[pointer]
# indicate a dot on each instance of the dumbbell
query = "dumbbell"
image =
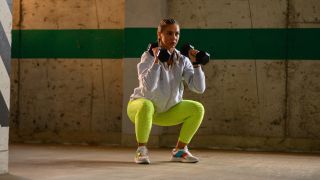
(202, 57)
(163, 54)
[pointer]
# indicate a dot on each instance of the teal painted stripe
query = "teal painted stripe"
(131, 42)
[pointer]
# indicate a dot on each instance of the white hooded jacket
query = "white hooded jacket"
(163, 84)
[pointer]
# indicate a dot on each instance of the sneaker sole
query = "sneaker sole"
(174, 159)
(141, 162)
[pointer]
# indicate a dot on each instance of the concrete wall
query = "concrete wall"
(67, 100)
(255, 104)
(265, 104)
(5, 58)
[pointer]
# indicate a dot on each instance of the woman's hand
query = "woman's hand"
(155, 54)
(192, 55)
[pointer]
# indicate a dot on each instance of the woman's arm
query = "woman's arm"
(194, 77)
(148, 71)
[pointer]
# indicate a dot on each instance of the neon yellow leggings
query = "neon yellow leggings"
(141, 112)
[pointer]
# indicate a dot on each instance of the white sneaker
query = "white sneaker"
(183, 155)
(142, 155)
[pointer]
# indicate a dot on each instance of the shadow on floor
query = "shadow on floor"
(86, 163)
(12, 177)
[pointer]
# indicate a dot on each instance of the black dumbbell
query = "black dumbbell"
(202, 57)
(163, 54)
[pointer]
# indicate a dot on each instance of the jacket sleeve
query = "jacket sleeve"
(194, 77)
(148, 72)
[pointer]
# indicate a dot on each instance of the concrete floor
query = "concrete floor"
(97, 162)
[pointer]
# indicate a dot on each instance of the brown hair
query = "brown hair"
(166, 22)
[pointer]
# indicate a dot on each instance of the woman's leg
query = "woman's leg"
(188, 112)
(140, 112)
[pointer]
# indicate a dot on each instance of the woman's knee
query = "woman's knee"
(142, 106)
(197, 108)
(146, 105)
(145, 109)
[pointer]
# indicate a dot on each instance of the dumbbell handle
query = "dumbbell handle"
(163, 55)
(151, 46)
(202, 57)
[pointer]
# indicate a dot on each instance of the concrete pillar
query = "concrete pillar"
(4, 150)
(138, 14)
(5, 60)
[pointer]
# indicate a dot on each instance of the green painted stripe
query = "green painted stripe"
(131, 42)
(67, 43)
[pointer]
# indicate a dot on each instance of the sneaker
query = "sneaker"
(142, 155)
(183, 155)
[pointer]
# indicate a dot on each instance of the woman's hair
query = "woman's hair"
(166, 22)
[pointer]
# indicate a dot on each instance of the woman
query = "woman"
(158, 99)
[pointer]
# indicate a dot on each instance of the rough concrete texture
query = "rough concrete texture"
(249, 143)
(304, 14)
(268, 14)
(5, 54)
(4, 156)
(130, 81)
(243, 98)
(304, 101)
(4, 137)
(89, 162)
(68, 14)
(152, 11)
(228, 14)
(304, 77)
(79, 99)
(263, 98)
(67, 100)
(253, 104)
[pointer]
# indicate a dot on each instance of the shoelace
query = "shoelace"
(142, 152)
(186, 150)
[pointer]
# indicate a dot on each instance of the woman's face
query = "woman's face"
(169, 37)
